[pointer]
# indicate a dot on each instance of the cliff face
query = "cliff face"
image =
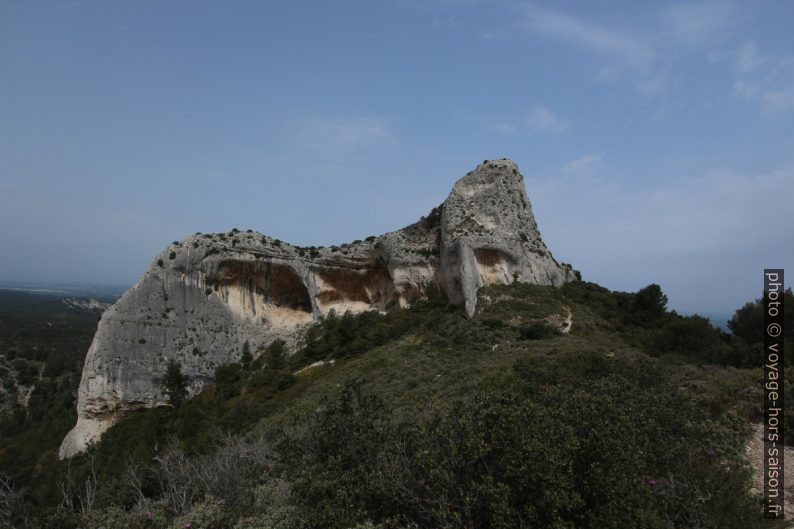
(202, 298)
(489, 235)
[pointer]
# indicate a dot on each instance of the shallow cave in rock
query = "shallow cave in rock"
(279, 284)
(373, 286)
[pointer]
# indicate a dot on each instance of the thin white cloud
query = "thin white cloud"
(559, 25)
(764, 78)
(749, 59)
(778, 101)
(584, 166)
(446, 22)
(326, 143)
(719, 211)
(539, 118)
(503, 125)
(493, 34)
(645, 57)
(626, 54)
(542, 118)
(722, 225)
(698, 23)
(343, 134)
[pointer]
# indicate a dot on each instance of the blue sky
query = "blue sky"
(656, 138)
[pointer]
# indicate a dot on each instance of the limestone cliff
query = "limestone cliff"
(203, 297)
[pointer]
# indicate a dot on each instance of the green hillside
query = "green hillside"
(420, 417)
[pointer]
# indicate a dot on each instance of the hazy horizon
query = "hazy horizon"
(656, 141)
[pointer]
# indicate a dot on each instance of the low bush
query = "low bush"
(545, 447)
(539, 330)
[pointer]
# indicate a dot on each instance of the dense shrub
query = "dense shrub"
(276, 355)
(611, 306)
(113, 517)
(538, 330)
(602, 445)
(206, 514)
(339, 336)
(433, 219)
(747, 322)
(692, 336)
(334, 463)
(747, 326)
(26, 373)
(648, 306)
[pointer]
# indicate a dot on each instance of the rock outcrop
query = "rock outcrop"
(93, 305)
(204, 297)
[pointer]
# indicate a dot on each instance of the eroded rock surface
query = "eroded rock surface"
(203, 297)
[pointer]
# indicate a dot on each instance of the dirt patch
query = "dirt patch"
(563, 323)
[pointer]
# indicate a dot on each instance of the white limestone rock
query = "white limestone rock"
(203, 297)
(490, 236)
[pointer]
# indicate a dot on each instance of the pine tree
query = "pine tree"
(246, 358)
(276, 355)
(175, 384)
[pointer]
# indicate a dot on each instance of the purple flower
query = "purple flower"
(652, 482)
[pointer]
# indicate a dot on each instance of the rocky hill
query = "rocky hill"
(208, 297)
